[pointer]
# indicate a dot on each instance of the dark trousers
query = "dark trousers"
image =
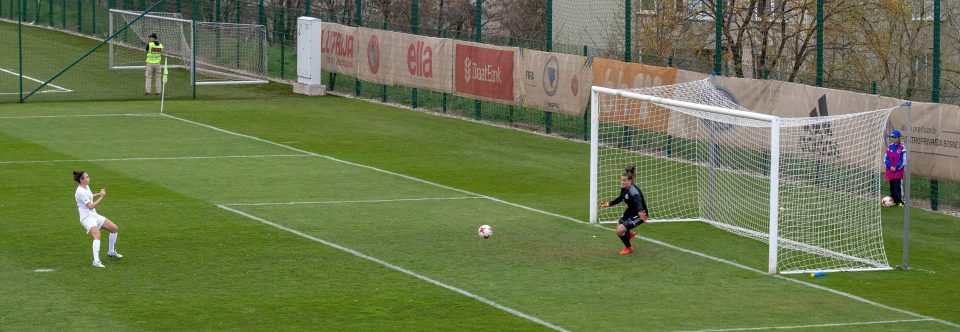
(896, 191)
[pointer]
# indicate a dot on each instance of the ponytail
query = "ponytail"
(630, 171)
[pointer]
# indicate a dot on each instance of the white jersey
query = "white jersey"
(84, 196)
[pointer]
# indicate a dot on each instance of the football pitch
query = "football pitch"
(337, 214)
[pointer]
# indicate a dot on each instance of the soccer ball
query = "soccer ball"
(485, 231)
(887, 201)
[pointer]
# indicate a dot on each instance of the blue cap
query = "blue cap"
(895, 134)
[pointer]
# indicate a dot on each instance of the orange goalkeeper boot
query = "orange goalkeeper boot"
(627, 250)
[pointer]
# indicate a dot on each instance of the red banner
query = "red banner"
(484, 71)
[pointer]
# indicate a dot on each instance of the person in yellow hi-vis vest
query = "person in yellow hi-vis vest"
(154, 50)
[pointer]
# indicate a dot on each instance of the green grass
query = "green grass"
(191, 265)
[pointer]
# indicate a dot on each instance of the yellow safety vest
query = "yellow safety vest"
(153, 52)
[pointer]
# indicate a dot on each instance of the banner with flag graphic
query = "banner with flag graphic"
(555, 82)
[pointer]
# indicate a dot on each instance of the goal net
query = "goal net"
(213, 52)
(808, 187)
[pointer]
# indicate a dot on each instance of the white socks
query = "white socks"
(113, 240)
(96, 250)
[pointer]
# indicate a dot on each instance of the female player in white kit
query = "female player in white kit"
(90, 220)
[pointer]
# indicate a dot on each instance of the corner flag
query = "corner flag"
(163, 91)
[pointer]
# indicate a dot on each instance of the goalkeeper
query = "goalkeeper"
(636, 212)
(154, 50)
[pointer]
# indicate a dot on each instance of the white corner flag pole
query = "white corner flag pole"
(163, 91)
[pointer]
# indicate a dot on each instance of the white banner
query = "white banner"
(555, 82)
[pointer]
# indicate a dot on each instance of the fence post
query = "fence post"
(306, 8)
(415, 26)
(19, 45)
(93, 10)
(627, 30)
(510, 107)
(237, 21)
(547, 116)
(358, 20)
(79, 16)
(444, 100)
(36, 13)
(477, 37)
(50, 13)
(873, 87)
(819, 42)
(383, 87)
(549, 26)
(586, 113)
(717, 38)
(194, 15)
(283, 39)
(261, 14)
(935, 93)
(216, 18)
(63, 14)
(180, 6)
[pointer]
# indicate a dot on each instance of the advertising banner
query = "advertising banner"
(338, 47)
(555, 82)
(485, 72)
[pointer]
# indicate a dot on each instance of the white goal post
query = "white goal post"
(214, 53)
(808, 187)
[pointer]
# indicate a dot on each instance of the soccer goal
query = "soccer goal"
(213, 52)
(808, 187)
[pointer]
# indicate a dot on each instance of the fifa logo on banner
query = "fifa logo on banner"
(420, 59)
(819, 136)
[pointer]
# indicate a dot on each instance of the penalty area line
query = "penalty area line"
(396, 268)
(75, 116)
(357, 201)
(150, 159)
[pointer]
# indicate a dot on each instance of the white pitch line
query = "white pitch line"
(358, 201)
(814, 326)
(147, 158)
(44, 91)
(398, 269)
(671, 246)
(62, 89)
(75, 116)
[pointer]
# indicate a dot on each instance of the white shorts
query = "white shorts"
(93, 220)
